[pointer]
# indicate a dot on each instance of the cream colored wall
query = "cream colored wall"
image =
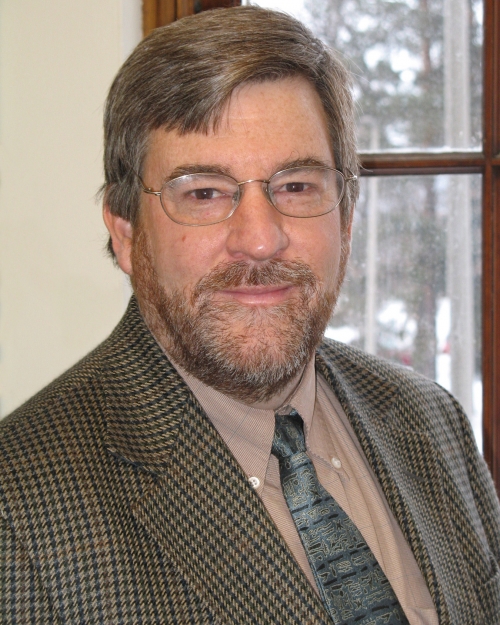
(59, 295)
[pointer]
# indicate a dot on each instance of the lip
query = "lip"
(258, 295)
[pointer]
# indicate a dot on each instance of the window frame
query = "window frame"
(160, 12)
(486, 162)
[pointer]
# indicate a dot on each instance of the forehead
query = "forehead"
(290, 100)
(263, 126)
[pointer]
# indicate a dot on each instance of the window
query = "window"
(428, 82)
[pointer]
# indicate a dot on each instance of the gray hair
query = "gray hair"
(182, 75)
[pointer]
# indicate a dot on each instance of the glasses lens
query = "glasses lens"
(199, 199)
(306, 191)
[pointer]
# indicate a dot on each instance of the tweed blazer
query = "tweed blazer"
(120, 503)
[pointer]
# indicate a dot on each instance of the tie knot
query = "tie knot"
(288, 436)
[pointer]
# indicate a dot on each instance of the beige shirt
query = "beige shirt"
(342, 469)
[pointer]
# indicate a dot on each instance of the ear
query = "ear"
(120, 230)
(347, 231)
(346, 236)
(349, 225)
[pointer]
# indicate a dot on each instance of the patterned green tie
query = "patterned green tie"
(353, 587)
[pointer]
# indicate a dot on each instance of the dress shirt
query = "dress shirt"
(342, 469)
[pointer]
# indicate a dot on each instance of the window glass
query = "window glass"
(413, 287)
(416, 65)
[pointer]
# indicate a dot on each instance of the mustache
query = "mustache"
(240, 273)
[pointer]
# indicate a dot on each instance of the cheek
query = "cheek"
(321, 247)
(183, 256)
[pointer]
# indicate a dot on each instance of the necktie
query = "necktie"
(353, 587)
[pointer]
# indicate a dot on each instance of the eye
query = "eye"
(205, 194)
(294, 187)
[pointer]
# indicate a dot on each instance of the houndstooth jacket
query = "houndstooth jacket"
(121, 504)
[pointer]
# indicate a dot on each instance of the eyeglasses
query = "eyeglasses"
(206, 199)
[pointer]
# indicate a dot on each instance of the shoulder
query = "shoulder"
(416, 400)
(79, 376)
(353, 363)
(54, 418)
(69, 419)
(78, 386)
(60, 425)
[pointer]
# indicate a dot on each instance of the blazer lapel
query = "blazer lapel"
(199, 509)
(403, 457)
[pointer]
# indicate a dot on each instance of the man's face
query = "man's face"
(243, 303)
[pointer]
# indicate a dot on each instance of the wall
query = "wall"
(59, 295)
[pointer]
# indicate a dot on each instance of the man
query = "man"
(151, 482)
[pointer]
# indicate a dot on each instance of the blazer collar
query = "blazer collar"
(146, 398)
(365, 394)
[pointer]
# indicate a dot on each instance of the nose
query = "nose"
(256, 228)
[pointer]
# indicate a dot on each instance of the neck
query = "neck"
(280, 399)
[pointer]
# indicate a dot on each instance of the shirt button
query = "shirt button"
(254, 482)
(336, 463)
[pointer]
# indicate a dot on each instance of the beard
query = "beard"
(250, 353)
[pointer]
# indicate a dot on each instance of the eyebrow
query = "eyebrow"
(308, 161)
(198, 168)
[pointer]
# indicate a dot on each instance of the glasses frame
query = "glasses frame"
(265, 186)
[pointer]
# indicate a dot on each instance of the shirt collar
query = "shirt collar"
(249, 431)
